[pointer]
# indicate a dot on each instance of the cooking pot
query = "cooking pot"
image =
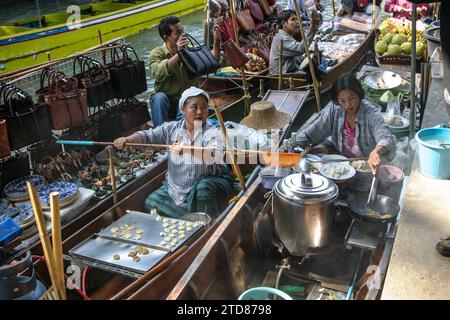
(304, 210)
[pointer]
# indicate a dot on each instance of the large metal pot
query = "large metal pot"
(304, 209)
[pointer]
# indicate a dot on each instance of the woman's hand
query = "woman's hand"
(120, 143)
(375, 158)
(177, 148)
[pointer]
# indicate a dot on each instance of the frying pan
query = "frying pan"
(384, 209)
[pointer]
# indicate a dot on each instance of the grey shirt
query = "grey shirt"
(371, 130)
(184, 170)
(292, 51)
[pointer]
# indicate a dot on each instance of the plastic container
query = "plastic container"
(433, 39)
(9, 230)
(263, 293)
(434, 159)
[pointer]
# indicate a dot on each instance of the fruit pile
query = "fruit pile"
(396, 35)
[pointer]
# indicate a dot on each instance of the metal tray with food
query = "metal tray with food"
(117, 255)
(151, 230)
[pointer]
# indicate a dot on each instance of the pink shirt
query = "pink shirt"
(394, 5)
(350, 144)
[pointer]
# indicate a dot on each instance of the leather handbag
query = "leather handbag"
(107, 121)
(95, 78)
(133, 113)
(226, 29)
(66, 102)
(265, 7)
(235, 55)
(14, 167)
(27, 122)
(5, 150)
(128, 77)
(255, 10)
(245, 20)
(198, 60)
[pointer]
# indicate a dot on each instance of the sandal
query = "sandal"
(443, 247)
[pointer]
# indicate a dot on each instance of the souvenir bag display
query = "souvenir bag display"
(234, 54)
(133, 113)
(107, 121)
(26, 122)
(14, 167)
(265, 7)
(66, 102)
(93, 77)
(128, 76)
(255, 10)
(245, 20)
(5, 150)
(198, 59)
(226, 27)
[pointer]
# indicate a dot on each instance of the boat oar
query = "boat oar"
(234, 165)
(45, 240)
(270, 158)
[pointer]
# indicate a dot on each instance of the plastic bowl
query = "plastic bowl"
(434, 159)
(388, 174)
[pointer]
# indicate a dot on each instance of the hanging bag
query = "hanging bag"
(27, 122)
(5, 150)
(94, 78)
(198, 60)
(67, 103)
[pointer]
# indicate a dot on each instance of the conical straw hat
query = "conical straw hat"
(264, 115)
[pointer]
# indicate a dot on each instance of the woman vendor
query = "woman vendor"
(192, 184)
(356, 127)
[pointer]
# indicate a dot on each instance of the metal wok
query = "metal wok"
(384, 209)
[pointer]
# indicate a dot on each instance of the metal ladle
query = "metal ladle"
(373, 191)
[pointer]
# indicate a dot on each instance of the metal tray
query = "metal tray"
(100, 250)
(152, 225)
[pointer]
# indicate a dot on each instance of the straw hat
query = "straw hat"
(264, 115)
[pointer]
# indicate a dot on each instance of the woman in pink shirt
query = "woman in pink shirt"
(401, 9)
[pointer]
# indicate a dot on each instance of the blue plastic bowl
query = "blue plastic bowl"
(434, 159)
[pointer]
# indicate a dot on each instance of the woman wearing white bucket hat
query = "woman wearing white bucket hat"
(191, 185)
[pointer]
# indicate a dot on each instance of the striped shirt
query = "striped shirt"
(184, 170)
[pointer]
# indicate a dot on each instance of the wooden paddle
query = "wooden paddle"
(270, 158)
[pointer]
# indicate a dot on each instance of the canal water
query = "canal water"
(142, 42)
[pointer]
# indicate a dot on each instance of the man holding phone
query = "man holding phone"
(170, 75)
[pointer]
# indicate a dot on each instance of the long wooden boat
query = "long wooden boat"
(290, 81)
(107, 285)
(244, 253)
(24, 43)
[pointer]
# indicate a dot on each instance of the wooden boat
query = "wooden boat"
(244, 253)
(108, 285)
(24, 43)
(295, 82)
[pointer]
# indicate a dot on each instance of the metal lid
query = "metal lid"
(310, 187)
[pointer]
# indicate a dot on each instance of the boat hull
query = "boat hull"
(30, 48)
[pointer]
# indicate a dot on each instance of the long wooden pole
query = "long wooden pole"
(57, 241)
(280, 69)
(247, 96)
(112, 175)
(308, 55)
(334, 8)
(374, 16)
(45, 240)
(234, 165)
